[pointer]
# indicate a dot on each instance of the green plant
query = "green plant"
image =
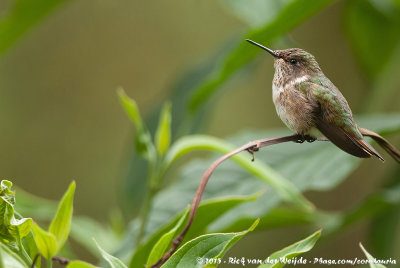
(243, 196)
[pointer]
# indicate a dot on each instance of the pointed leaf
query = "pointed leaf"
(113, 261)
(233, 242)
(130, 108)
(61, 224)
(305, 245)
(207, 246)
(371, 259)
(163, 133)
(164, 242)
(207, 212)
(144, 146)
(45, 241)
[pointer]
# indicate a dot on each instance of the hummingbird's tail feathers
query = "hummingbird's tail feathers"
(345, 141)
(393, 151)
(371, 150)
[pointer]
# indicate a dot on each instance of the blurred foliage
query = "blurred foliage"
(373, 28)
(233, 200)
(371, 259)
(291, 251)
(22, 16)
(216, 247)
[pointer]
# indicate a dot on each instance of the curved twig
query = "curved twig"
(251, 147)
(35, 260)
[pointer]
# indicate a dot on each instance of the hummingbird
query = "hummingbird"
(310, 104)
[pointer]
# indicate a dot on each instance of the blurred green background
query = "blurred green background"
(61, 119)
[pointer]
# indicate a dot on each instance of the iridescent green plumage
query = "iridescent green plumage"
(332, 102)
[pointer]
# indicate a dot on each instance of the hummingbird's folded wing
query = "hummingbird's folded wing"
(334, 119)
(346, 141)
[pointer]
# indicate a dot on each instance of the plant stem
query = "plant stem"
(49, 263)
(154, 181)
(144, 214)
(22, 251)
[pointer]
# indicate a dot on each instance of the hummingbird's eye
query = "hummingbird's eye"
(293, 61)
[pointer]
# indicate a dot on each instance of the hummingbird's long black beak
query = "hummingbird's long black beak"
(270, 51)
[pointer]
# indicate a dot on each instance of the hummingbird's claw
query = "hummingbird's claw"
(309, 139)
(303, 138)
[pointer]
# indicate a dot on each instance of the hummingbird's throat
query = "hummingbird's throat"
(278, 87)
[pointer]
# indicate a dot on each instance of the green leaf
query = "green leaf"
(207, 246)
(384, 124)
(82, 228)
(371, 27)
(318, 166)
(7, 201)
(371, 259)
(31, 248)
(302, 246)
(19, 228)
(61, 223)
(256, 13)
(207, 212)
(6, 192)
(130, 108)
(80, 264)
(45, 241)
(305, 165)
(21, 17)
(164, 242)
(163, 133)
(292, 15)
(11, 229)
(144, 146)
(262, 171)
(113, 261)
(9, 259)
(281, 216)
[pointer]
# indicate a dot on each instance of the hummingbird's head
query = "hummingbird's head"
(292, 62)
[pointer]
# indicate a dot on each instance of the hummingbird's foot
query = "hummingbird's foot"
(309, 139)
(301, 139)
(252, 150)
